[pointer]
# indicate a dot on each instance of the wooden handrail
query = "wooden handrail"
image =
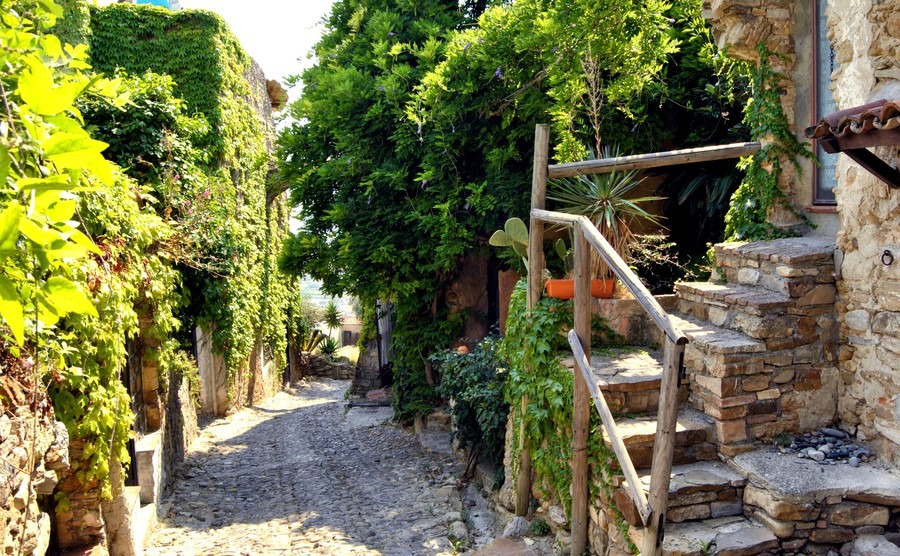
(652, 508)
(652, 160)
(619, 268)
(631, 477)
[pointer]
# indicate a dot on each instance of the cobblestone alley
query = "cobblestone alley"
(299, 475)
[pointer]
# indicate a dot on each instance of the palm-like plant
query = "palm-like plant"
(603, 199)
(333, 318)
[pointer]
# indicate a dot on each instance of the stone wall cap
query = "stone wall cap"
(799, 480)
(791, 250)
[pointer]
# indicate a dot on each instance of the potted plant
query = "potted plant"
(602, 198)
(564, 288)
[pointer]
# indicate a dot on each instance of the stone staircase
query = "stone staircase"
(760, 366)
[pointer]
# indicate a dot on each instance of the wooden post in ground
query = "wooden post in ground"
(663, 449)
(535, 272)
(581, 406)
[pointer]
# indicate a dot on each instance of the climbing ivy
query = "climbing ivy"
(80, 257)
(760, 191)
(197, 139)
(533, 345)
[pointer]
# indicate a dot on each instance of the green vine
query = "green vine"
(193, 134)
(760, 192)
(535, 341)
(80, 262)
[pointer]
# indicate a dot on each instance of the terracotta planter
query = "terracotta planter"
(565, 289)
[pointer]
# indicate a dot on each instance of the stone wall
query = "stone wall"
(81, 524)
(368, 371)
(741, 25)
(179, 428)
(866, 36)
(25, 525)
(786, 28)
(325, 367)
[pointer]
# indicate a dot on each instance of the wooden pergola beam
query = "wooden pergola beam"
(652, 160)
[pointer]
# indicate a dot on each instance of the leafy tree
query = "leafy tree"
(373, 228)
(413, 137)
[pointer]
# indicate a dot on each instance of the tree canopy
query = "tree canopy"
(413, 137)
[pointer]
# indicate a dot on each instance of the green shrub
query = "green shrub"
(474, 381)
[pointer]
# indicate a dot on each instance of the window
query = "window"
(824, 175)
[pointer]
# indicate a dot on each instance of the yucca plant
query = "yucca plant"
(603, 198)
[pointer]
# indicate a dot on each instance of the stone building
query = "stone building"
(839, 55)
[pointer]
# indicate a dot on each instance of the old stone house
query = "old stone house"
(840, 55)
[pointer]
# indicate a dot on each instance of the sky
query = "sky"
(278, 34)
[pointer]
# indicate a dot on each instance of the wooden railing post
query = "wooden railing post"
(581, 407)
(535, 272)
(663, 448)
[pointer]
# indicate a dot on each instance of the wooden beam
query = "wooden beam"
(535, 273)
(652, 160)
(877, 167)
(663, 449)
(619, 268)
(581, 406)
(632, 479)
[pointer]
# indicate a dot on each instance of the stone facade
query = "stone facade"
(867, 38)
(27, 475)
(865, 35)
(786, 28)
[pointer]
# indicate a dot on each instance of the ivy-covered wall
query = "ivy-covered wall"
(235, 289)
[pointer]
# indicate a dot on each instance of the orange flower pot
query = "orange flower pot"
(565, 289)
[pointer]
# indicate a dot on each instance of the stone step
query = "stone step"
(692, 433)
(809, 506)
(755, 300)
(715, 341)
(629, 378)
(795, 267)
(724, 536)
(747, 390)
(756, 312)
(702, 490)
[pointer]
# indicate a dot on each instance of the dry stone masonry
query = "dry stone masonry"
(866, 37)
(759, 405)
(25, 475)
(773, 371)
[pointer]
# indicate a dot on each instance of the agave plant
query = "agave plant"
(603, 198)
(310, 343)
(329, 347)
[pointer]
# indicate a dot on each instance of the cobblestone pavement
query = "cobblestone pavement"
(298, 475)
